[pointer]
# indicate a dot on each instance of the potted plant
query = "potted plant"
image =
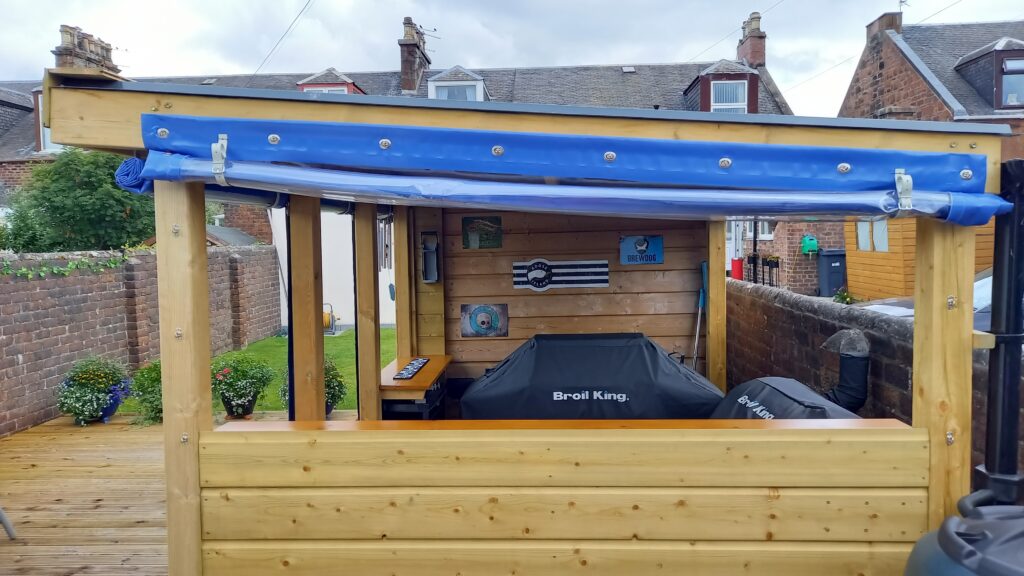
(147, 391)
(93, 390)
(239, 379)
(334, 386)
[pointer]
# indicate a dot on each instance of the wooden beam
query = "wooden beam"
(983, 340)
(96, 118)
(184, 303)
(716, 327)
(307, 307)
(943, 318)
(405, 319)
(367, 312)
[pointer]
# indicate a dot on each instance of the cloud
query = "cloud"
(195, 37)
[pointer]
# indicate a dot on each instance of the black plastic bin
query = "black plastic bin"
(989, 541)
(831, 271)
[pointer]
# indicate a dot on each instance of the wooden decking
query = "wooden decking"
(84, 500)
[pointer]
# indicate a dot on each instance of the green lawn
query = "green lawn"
(341, 349)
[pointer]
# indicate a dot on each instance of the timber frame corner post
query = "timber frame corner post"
(367, 311)
(715, 352)
(184, 302)
(305, 307)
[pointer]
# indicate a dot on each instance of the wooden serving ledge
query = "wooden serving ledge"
(416, 387)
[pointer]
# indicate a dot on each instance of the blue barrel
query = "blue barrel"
(987, 542)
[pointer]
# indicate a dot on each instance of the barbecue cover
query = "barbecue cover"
(590, 376)
(771, 397)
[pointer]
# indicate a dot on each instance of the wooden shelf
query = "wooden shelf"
(416, 387)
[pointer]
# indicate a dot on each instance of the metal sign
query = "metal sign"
(642, 250)
(484, 320)
(540, 274)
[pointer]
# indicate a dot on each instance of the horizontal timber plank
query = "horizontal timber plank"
(739, 458)
(768, 514)
(633, 280)
(497, 349)
(490, 264)
(572, 241)
(555, 304)
(456, 426)
(648, 324)
(535, 223)
(547, 558)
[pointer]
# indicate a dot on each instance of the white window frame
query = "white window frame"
(45, 143)
(873, 235)
(478, 84)
(326, 89)
(765, 230)
(744, 106)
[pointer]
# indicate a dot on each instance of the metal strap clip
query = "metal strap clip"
(904, 188)
(219, 154)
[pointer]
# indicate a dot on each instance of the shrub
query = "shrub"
(843, 297)
(146, 389)
(334, 385)
(90, 386)
(239, 379)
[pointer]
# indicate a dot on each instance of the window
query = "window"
(729, 96)
(1012, 88)
(329, 90)
(873, 236)
(765, 230)
(464, 92)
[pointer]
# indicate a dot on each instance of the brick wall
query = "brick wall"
(798, 272)
(252, 220)
(15, 173)
(47, 324)
(773, 332)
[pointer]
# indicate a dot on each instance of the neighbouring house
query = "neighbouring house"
(972, 72)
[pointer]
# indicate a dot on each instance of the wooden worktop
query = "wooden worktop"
(405, 425)
(416, 387)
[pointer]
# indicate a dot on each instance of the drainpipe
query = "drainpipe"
(1000, 474)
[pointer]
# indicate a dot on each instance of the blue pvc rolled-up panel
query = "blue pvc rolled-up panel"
(574, 174)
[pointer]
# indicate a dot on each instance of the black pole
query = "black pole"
(291, 320)
(757, 259)
(1000, 473)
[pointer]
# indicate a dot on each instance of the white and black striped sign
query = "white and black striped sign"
(539, 274)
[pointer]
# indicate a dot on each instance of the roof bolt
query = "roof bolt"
(178, 334)
(953, 144)
(152, 108)
(274, 139)
(724, 162)
(168, 104)
(950, 438)
(844, 168)
(609, 156)
(967, 174)
(162, 132)
(974, 145)
(384, 143)
(497, 150)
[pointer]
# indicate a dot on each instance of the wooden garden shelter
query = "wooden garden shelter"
(531, 497)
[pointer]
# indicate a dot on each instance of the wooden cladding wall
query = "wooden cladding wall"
(658, 300)
(872, 275)
(631, 501)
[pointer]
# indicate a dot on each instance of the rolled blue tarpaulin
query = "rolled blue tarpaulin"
(573, 174)
(129, 176)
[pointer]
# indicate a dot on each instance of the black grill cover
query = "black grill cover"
(772, 398)
(584, 376)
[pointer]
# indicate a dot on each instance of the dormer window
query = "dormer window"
(1012, 88)
(729, 96)
(330, 81)
(457, 83)
(326, 89)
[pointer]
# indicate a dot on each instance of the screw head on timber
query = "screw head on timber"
(967, 174)
(384, 143)
(497, 150)
(844, 168)
(725, 162)
(953, 144)
(950, 302)
(610, 156)
(950, 438)
(162, 132)
(168, 104)
(175, 229)
(974, 145)
(178, 333)
(274, 139)
(184, 438)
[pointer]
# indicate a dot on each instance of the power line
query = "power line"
(266, 59)
(844, 61)
(727, 36)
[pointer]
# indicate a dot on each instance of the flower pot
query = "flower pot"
(238, 412)
(330, 408)
(111, 409)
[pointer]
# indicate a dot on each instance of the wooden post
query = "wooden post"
(943, 335)
(405, 319)
(367, 311)
(184, 302)
(714, 348)
(307, 308)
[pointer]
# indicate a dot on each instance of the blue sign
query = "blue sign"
(642, 250)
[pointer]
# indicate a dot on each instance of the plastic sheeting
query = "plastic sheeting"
(629, 177)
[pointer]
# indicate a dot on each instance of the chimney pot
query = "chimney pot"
(888, 21)
(413, 48)
(78, 49)
(751, 48)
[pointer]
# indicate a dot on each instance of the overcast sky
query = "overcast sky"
(195, 37)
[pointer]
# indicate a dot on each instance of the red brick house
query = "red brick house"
(971, 72)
